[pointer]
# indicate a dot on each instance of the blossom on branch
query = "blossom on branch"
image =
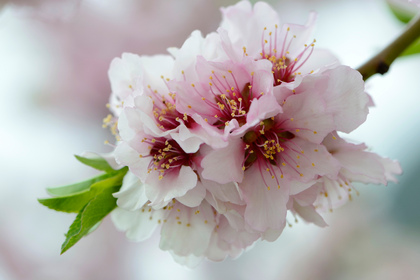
(234, 130)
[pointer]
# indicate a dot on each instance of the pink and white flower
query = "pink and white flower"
(234, 131)
(259, 33)
(357, 165)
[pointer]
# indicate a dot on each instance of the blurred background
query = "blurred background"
(54, 58)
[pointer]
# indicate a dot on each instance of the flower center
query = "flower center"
(285, 68)
(272, 148)
(228, 100)
(233, 104)
(166, 155)
(164, 110)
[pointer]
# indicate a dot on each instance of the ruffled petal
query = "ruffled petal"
(173, 184)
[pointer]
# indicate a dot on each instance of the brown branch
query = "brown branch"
(383, 60)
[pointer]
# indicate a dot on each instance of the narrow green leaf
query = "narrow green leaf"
(414, 48)
(74, 203)
(97, 163)
(69, 204)
(78, 187)
(92, 213)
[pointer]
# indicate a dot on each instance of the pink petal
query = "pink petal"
(266, 208)
(345, 98)
(173, 184)
(225, 165)
(304, 114)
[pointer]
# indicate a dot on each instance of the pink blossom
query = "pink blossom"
(259, 33)
(188, 232)
(223, 141)
(357, 165)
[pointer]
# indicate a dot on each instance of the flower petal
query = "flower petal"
(266, 203)
(187, 231)
(225, 165)
(139, 225)
(132, 194)
(173, 184)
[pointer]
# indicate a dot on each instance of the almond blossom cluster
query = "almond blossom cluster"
(228, 134)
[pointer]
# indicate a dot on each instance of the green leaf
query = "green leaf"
(74, 203)
(92, 213)
(78, 187)
(402, 11)
(69, 204)
(95, 227)
(414, 48)
(97, 163)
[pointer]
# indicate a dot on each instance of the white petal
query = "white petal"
(187, 231)
(172, 185)
(132, 194)
(194, 196)
(309, 214)
(138, 225)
